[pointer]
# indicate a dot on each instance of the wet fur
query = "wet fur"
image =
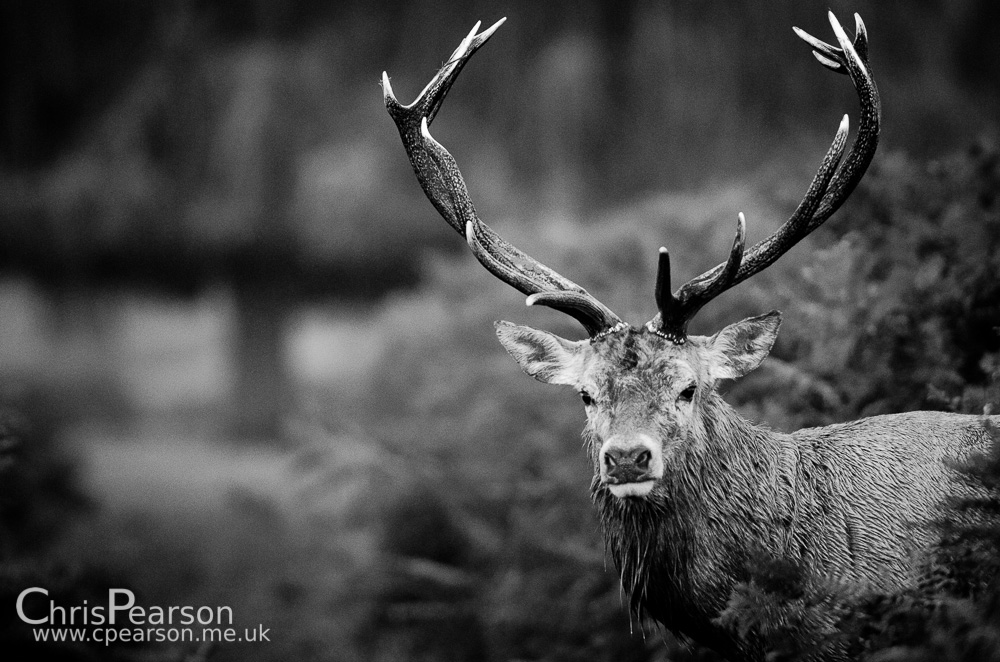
(851, 500)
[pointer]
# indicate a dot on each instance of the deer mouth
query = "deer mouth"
(635, 489)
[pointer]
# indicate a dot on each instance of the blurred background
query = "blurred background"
(243, 362)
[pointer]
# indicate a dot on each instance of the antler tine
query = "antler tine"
(855, 59)
(442, 182)
(436, 178)
(677, 309)
(662, 292)
(828, 190)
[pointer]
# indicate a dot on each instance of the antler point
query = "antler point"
(490, 30)
(838, 30)
(827, 62)
(387, 95)
(472, 33)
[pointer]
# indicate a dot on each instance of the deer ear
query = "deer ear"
(545, 356)
(740, 347)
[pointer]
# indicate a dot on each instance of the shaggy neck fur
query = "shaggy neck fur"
(681, 549)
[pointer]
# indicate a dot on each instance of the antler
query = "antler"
(441, 180)
(828, 190)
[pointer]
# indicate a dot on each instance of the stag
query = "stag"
(686, 490)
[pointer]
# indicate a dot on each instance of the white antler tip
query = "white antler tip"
(386, 87)
(663, 250)
(463, 47)
(845, 123)
(860, 32)
(493, 28)
(530, 301)
(838, 29)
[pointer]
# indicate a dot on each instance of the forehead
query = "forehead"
(642, 355)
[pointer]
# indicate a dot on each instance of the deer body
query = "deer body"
(853, 502)
(686, 490)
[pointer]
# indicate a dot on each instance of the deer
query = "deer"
(686, 489)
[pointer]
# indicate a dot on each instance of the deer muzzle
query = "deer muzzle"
(630, 465)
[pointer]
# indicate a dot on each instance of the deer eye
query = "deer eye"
(587, 399)
(687, 394)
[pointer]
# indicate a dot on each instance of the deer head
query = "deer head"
(644, 394)
(645, 388)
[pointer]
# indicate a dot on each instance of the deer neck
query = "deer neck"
(690, 538)
(730, 450)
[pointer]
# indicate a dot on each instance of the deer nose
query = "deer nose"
(626, 464)
(639, 458)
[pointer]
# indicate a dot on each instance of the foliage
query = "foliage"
(933, 245)
(39, 492)
(900, 309)
(37, 480)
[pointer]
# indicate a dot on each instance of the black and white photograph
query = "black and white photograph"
(500, 331)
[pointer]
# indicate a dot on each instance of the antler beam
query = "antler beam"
(444, 186)
(828, 190)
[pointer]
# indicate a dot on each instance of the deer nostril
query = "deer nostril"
(626, 462)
